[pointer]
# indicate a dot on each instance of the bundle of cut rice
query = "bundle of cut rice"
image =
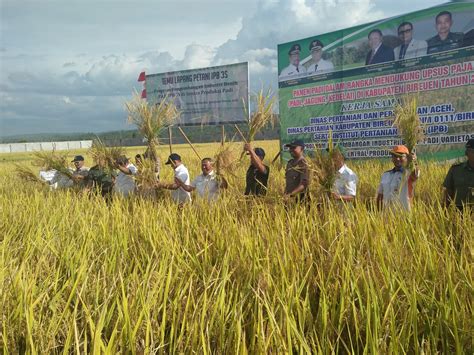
(263, 114)
(150, 120)
(104, 156)
(26, 174)
(407, 122)
(226, 161)
(53, 160)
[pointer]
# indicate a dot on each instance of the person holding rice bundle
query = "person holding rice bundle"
(206, 184)
(124, 182)
(396, 188)
(179, 194)
(257, 173)
(101, 179)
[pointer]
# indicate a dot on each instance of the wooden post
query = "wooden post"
(189, 142)
(240, 132)
(222, 135)
(276, 157)
(170, 139)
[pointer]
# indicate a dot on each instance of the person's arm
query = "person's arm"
(188, 188)
(345, 198)
(255, 160)
(380, 196)
(416, 170)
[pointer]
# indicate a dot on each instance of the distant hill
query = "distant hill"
(197, 134)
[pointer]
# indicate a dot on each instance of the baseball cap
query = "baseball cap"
(295, 49)
(173, 157)
(295, 143)
(315, 44)
(77, 158)
(399, 150)
(470, 144)
(260, 152)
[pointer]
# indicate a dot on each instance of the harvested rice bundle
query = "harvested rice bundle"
(26, 174)
(263, 114)
(105, 156)
(54, 160)
(150, 120)
(408, 124)
(226, 161)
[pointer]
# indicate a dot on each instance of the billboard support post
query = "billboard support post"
(170, 139)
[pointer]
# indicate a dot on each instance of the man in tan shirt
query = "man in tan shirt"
(297, 173)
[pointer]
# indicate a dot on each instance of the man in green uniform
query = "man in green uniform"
(297, 173)
(459, 183)
(445, 40)
(101, 179)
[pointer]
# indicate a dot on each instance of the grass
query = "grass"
(239, 276)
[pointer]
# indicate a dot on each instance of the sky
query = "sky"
(69, 66)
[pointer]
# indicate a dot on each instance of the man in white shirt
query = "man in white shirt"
(206, 185)
(294, 69)
(345, 186)
(319, 64)
(179, 195)
(397, 185)
(410, 47)
(124, 182)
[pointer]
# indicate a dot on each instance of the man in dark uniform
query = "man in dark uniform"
(257, 173)
(459, 183)
(445, 40)
(297, 173)
(101, 179)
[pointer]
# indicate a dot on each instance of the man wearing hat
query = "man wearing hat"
(257, 173)
(397, 185)
(179, 195)
(294, 69)
(319, 64)
(345, 185)
(297, 172)
(124, 182)
(459, 182)
(80, 172)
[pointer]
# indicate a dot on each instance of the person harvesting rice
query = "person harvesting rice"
(396, 188)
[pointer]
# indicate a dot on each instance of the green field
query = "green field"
(238, 276)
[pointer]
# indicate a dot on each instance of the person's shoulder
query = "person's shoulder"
(456, 35)
(433, 40)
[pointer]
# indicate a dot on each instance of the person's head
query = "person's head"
(78, 161)
(294, 54)
(470, 151)
(405, 32)
(399, 155)
(444, 21)
(138, 159)
(174, 160)
(316, 49)
(122, 160)
(206, 166)
(296, 148)
(375, 38)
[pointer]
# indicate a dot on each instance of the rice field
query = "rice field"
(237, 276)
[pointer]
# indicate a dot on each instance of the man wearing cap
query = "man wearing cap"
(345, 185)
(179, 195)
(256, 179)
(294, 69)
(397, 185)
(80, 172)
(319, 64)
(124, 182)
(206, 184)
(379, 52)
(459, 182)
(297, 173)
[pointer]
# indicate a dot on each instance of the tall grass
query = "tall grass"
(237, 276)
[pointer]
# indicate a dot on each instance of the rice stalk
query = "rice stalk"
(407, 121)
(262, 115)
(53, 160)
(105, 156)
(226, 161)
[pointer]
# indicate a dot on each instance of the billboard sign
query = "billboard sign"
(346, 83)
(214, 95)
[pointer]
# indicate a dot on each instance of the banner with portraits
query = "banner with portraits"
(206, 96)
(346, 83)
